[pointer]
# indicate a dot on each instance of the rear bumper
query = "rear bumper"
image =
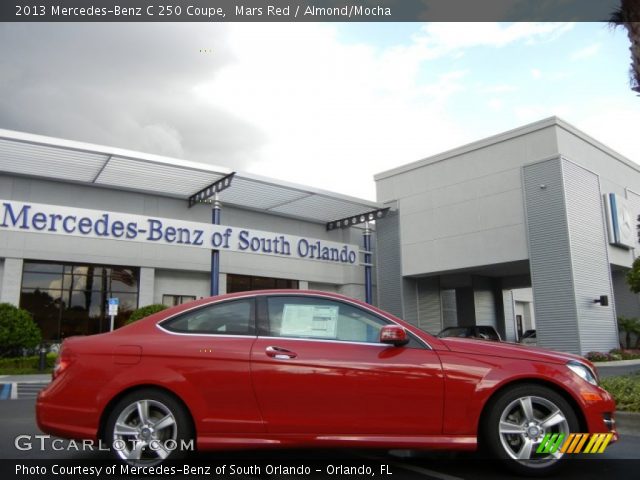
(65, 421)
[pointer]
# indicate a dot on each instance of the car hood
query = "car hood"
(508, 350)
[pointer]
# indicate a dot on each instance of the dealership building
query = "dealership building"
(532, 228)
(542, 213)
(81, 224)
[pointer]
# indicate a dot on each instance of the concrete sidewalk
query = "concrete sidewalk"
(38, 378)
(617, 368)
(618, 363)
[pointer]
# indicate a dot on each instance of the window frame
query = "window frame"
(180, 298)
(251, 332)
(264, 326)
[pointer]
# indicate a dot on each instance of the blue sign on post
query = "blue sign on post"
(113, 309)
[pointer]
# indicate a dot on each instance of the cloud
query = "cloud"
(612, 122)
(528, 113)
(586, 52)
(295, 101)
(124, 85)
(495, 104)
(438, 39)
(500, 88)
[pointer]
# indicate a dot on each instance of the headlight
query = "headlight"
(583, 372)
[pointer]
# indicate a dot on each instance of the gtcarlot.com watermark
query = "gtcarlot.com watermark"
(45, 442)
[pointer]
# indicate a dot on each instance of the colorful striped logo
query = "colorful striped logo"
(574, 443)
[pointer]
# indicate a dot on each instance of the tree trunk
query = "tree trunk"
(628, 15)
(633, 30)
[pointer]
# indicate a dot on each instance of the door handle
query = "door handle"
(280, 353)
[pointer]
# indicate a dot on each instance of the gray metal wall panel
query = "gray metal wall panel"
(485, 302)
(387, 254)
(589, 256)
(429, 308)
(449, 308)
(550, 256)
(627, 303)
(410, 300)
(485, 308)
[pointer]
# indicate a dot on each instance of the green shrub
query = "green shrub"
(629, 326)
(25, 365)
(17, 330)
(145, 312)
(625, 390)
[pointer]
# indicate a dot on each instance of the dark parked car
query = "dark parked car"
(292, 368)
(529, 338)
(478, 331)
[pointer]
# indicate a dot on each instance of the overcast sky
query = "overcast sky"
(327, 105)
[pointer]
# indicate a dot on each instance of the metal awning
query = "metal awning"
(32, 155)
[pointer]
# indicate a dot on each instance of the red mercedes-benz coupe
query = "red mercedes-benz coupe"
(290, 368)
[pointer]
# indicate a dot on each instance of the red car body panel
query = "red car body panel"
(329, 393)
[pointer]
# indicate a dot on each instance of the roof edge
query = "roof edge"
(32, 138)
(469, 147)
(508, 135)
(94, 148)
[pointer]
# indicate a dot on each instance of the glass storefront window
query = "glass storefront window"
(70, 299)
(43, 267)
(43, 281)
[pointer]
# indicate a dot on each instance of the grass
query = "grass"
(25, 365)
(625, 390)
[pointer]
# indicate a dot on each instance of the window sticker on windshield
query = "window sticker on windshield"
(309, 321)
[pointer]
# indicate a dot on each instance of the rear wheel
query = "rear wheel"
(518, 421)
(147, 426)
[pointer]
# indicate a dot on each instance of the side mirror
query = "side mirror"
(394, 335)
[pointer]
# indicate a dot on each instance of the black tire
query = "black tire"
(529, 411)
(167, 432)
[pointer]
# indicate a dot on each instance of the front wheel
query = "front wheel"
(148, 426)
(518, 421)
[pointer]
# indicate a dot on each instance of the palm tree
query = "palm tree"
(628, 15)
(628, 326)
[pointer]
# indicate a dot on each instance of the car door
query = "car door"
(319, 368)
(210, 347)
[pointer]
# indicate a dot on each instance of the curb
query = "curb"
(617, 363)
(628, 422)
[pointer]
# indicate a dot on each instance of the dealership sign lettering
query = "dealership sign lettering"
(49, 219)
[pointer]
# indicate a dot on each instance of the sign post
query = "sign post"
(113, 310)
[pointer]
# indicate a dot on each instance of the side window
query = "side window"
(305, 317)
(227, 318)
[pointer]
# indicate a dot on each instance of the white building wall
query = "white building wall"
(180, 282)
(465, 208)
(146, 286)
(11, 281)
